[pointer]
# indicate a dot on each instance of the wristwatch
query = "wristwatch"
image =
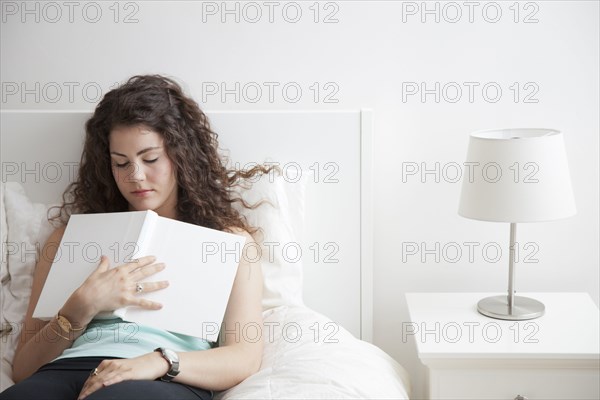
(65, 324)
(173, 360)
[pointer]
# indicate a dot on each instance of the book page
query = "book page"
(201, 265)
(86, 238)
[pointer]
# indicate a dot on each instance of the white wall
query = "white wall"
(369, 57)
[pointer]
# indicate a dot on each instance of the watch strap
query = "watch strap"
(171, 357)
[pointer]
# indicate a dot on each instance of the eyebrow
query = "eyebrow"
(147, 149)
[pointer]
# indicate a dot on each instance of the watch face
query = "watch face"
(64, 324)
(171, 355)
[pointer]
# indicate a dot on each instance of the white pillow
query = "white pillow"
(281, 220)
(5, 379)
(28, 230)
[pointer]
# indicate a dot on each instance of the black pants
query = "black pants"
(64, 378)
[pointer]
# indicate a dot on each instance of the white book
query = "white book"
(201, 265)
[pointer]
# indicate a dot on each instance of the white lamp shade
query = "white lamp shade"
(516, 175)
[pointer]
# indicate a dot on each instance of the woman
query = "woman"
(147, 146)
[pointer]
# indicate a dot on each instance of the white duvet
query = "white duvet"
(307, 356)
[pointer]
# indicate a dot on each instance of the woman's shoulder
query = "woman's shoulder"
(56, 235)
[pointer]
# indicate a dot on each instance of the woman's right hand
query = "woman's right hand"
(107, 289)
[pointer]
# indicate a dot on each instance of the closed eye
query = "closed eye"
(123, 165)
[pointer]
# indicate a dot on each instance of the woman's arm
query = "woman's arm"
(104, 290)
(216, 369)
(38, 343)
(239, 356)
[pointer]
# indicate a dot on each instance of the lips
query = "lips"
(142, 192)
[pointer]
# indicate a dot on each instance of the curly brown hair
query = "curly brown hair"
(205, 185)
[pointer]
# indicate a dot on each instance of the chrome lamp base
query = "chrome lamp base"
(522, 308)
(511, 307)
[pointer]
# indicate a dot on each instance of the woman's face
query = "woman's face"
(142, 170)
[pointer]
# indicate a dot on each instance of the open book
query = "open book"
(201, 264)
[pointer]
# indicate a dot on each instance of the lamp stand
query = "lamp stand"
(511, 307)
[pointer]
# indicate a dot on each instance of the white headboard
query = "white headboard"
(41, 150)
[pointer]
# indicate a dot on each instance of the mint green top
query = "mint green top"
(117, 338)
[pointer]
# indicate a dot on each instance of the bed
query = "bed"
(317, 244)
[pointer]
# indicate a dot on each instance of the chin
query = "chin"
(143, 206)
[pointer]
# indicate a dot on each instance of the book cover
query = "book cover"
(201, 264)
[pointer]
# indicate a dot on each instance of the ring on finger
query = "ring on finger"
(139, 288)
(94, 372)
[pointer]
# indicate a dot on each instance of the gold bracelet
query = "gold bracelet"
(58, 334)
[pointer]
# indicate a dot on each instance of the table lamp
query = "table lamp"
(515, 175)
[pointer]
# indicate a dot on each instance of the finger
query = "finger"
(104, 264)
(150, 286)
(139, 262)
(114, 376)
(91, 385)
(111, 380)
(83, 391)
(145, 260)
(146, 304)
(105, 372)
(144, 272)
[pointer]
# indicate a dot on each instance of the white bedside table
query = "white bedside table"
(470, 356)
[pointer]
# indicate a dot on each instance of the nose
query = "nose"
(136, 173)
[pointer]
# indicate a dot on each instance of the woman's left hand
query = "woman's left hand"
(147, 367)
